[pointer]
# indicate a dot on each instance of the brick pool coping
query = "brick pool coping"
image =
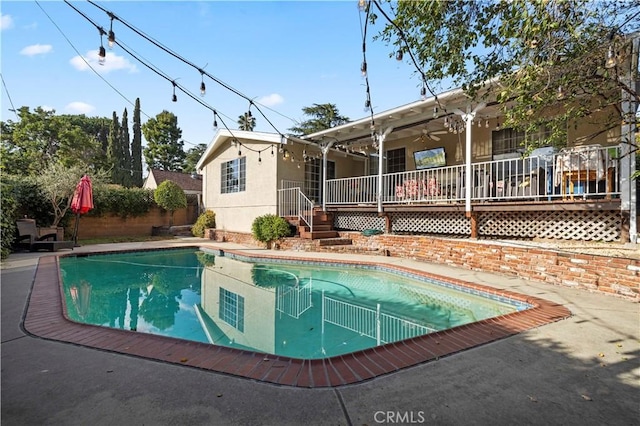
(46, 318)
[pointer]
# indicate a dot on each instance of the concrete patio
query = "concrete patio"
(582, 370)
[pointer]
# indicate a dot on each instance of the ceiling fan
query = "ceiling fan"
(431, 135)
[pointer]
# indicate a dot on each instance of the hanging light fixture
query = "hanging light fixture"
(203, 87)
(423, 93)
(174, 98)
(399, 55)
(611, 58)
(367, 105)
(363, 68)
(111, 38)
(102, 54)
(435, 112)
(215, 119)
(486, 123)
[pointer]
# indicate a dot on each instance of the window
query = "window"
(231, 309)
(396, 160)
(233, 175)
(313, 177)
(508, 141)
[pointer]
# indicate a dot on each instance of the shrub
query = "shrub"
(205, 220)
(270, 228)
(121, 202)
(8, 217)
(170, 197)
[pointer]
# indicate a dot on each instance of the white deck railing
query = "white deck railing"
(577, 173)
(292, 202)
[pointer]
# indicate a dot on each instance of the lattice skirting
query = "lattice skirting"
(586, 225)
(357, 221)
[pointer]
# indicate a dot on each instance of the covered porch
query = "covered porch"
(450, 179)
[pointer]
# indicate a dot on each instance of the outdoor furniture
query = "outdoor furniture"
(579, 166)
(28, 238)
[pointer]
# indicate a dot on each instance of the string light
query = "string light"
(112, 36)
(174, 98)
(203, 87)
(435, 112)
(362, 5)
(215, 119)
(363, 68)
(611, 58)
(102, 54)
(399, 55)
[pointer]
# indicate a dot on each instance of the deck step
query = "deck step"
(325, 242)
(318, 234)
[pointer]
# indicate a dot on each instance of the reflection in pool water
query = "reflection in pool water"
(298, 310)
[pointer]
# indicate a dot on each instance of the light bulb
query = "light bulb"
(435, 112)
(399, 55)
(611, 58)
(102, 55)
(111, 38)
(363, 69)
(203, 89)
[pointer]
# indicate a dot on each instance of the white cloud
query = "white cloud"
(36, 49)
(271, 100)
(79, 108)
(112, 62)
(6, 22)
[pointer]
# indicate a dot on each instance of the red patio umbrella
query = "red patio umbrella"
(82, 202)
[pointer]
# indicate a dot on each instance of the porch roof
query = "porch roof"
(410, 120)
(223, 135)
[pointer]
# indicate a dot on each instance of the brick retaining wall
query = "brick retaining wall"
(614, 275)
(115, 226)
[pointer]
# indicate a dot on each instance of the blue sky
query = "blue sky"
(283, 54)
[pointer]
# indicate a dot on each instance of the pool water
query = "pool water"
(300, 310)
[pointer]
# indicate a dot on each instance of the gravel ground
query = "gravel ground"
(611, 249)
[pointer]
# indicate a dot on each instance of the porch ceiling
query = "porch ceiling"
(411, 120)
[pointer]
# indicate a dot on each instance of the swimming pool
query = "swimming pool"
(45, 317)
(297, 309)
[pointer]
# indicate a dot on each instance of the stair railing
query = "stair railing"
(292, 202)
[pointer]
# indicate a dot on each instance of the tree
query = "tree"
(246, 122)
(170, 197)
(193, 156)
(41, 137)
(58, 182)
(322, 116)
(164, 148)
(114, 151)
(549, 55)
(125, 150)
(136, 148)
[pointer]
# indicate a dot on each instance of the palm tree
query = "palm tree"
(247, 122)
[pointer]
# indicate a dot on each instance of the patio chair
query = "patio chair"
(28, 238)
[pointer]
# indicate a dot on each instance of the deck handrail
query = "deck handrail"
(579, 172)
(293, 202)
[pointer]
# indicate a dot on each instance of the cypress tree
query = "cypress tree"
(125, 161)
(113, 149)
(136, 147)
